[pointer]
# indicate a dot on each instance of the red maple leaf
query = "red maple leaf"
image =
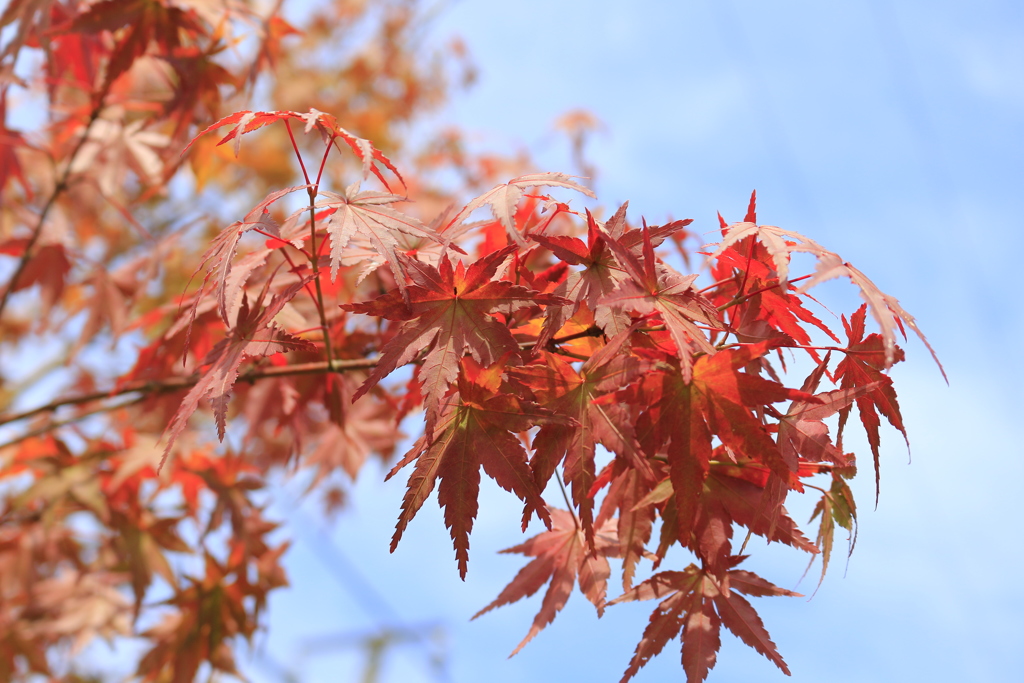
(735, 493)
(718, 399)
(563, 557)
(774, 240)
(732, 492)
(653, 287)
(450, 312)
(478, 426)
(773, 314)
(635, 519)
(563, 389)
(598, 279)
(47, 267)
(135, 24)
(802, 432)
(695, 606)
(862, 368)
(369, 215)
(199, 85)
(601, 273)
(248, 121)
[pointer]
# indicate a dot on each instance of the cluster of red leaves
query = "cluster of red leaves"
(546, 347)
(525, 365)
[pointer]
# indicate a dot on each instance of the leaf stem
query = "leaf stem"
(568, 504)
(739, 299)
(314, 263)
(275, 237)
(809, 348)
(298, 154)
(295, 268)
(746, 271)
(716, 284)
(314, 258)
(323, 162)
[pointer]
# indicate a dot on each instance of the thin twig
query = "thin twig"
(58, 190)
(740, 299)
(570, 354)
(177, 383)
(151, 387)
(57, 424)
(856, 352)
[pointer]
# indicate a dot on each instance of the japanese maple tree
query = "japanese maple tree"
(240, 268)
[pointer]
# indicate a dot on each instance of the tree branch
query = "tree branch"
(163, 386)
(177, 383)
(56, 424)
(58, 190)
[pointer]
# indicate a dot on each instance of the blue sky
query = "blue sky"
(892, 133)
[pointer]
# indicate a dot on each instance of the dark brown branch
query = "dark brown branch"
(163, 386)
(177, 383)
